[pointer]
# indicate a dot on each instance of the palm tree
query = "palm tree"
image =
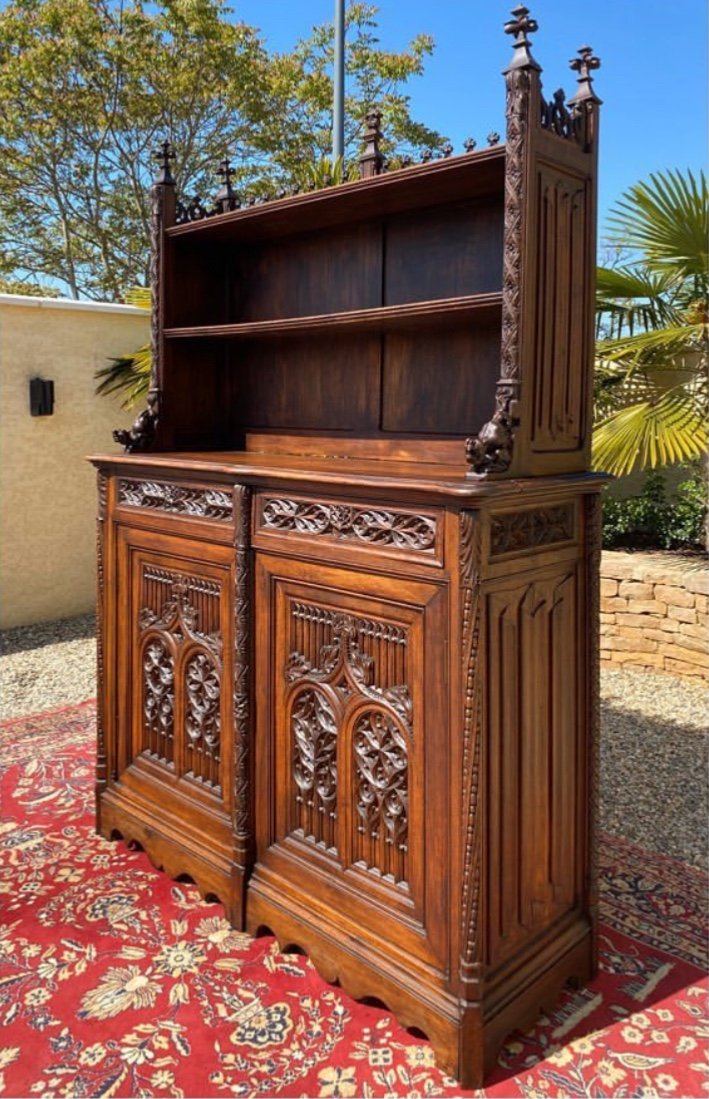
(129, 375)
(652, 396)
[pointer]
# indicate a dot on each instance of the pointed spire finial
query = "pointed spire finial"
(371, 161)
(584, 65)
(163, 156)
(520, 26)
(226, 198)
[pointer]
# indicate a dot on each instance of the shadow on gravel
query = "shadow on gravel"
(653, 784)
(22, 638)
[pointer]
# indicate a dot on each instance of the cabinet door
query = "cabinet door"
(175, 634)
(352, 756)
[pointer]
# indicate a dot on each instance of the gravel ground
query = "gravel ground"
(654, 740)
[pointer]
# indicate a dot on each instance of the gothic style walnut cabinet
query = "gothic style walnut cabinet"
(348, 570)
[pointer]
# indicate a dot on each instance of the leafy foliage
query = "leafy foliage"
(651, 520)
(652, 394)
(90, 87)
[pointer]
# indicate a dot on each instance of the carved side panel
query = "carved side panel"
(350, 718)
(561, 351)
(532, 700)
(180, 659)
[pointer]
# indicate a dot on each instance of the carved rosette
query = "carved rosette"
(242, 631)
(470, 559)
(345, 522)
(202, 503)
(101, 757)
(335, 704)
(490, 451)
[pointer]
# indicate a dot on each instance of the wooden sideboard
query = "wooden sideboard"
(348, 572)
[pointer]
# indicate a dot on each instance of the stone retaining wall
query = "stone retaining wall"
(655, 613)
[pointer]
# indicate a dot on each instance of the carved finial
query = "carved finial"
(584, 65)
(447, 150)
(371, 161)
(520, 26)
(493, 138)
(163, 156)
(469, 144)
(426, 156)
(226, 198)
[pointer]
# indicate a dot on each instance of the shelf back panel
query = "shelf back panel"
(452, 251)
(439, 382)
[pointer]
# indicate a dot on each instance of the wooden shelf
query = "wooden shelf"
(472, 175)
(479, 307)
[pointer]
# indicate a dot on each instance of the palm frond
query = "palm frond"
(663, 344)
(140, 296)
(652, 432)
(667, 220)
(128, 375)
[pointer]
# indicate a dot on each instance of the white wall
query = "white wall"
(47, 489)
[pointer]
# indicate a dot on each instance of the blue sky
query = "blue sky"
(653, 78)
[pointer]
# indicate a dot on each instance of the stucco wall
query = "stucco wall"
(47, 490)
(654, 613)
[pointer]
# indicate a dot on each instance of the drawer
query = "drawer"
(319, 525)
(183, 505)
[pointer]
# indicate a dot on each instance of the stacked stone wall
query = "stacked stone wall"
(655, 613)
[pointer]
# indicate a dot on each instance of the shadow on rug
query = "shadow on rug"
(115, 981)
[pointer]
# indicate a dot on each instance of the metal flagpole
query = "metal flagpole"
(338, 105)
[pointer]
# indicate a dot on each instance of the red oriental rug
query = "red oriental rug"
(116, 981)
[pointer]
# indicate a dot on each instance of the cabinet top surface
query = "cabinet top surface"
(446, 481)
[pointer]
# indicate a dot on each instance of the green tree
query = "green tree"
(90, 87)
(652, 396)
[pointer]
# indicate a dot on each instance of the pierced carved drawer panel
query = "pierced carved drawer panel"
(399, 532)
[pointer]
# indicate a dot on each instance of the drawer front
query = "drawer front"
(319, 525)
(352, 752)
(207, 510)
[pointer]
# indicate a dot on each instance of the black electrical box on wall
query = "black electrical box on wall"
(41, 397)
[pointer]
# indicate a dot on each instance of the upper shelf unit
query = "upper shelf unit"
(476, 174)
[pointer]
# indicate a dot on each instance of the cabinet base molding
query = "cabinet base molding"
(213, 872)
(466, 1037)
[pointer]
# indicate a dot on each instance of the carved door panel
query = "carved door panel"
(348, 782)
(175, 636)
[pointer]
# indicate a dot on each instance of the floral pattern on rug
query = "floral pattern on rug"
(116, 981)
